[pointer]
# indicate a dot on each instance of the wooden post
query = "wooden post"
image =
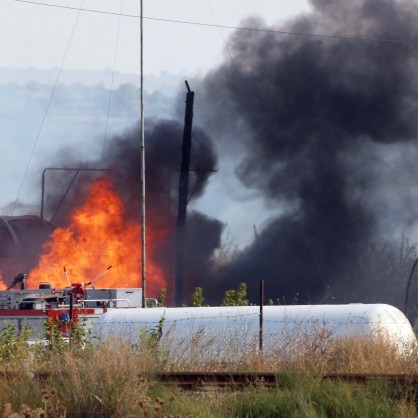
(143, 223)
(261, 314)
(183, 197)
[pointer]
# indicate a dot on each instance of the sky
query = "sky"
(39, 36)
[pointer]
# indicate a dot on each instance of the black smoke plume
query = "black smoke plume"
(327, 129)
(163, 142)
(67, 189)
(324, 128)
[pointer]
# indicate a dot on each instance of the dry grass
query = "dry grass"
(314, 353)
(115, 378)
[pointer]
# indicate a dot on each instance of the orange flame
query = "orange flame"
(3, 285)
(99, 236)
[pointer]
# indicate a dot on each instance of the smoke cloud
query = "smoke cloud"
(327, 129)
(121, 159)
(324, 128)
(67, 189)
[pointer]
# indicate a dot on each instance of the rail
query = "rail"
(268, 379)
(190, 380)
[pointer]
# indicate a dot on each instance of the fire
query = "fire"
(3, 285)
(99, 236)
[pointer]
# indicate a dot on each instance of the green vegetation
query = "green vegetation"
(114, 379)
(11, 346)
(307, 396)
(117, 379)
(197, 297)
(116, 383)
(236, 297)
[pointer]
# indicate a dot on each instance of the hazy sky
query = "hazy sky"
(35, 35)
(43, 37)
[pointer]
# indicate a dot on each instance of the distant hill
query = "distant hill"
(165, 82)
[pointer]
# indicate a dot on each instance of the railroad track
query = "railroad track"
(246, 379)
(190, 380)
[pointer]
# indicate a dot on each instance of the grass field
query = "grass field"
(116, 379)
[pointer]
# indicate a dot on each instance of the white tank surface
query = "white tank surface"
(286, 329)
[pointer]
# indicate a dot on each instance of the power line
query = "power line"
(111, 86)
(47, 107)
(274, 31)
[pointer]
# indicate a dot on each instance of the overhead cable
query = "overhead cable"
(252, 29)
(47, 107)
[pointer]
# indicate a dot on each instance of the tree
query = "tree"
(197, 297)
(236, 297)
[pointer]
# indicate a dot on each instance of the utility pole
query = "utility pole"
(183, 197)
(143, 223)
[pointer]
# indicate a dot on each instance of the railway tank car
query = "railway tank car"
(287, 330)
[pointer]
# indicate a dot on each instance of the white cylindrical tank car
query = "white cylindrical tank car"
(222, 332)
